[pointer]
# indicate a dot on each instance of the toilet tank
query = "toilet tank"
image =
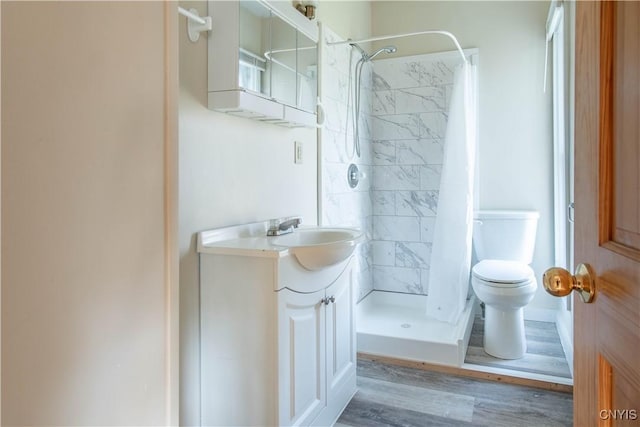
(505, 235)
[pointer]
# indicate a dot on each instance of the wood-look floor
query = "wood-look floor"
(544, 350)
(391, 395)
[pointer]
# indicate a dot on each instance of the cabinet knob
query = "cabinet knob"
(328, 300)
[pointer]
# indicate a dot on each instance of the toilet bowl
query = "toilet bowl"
(505, 287)
(502, 279)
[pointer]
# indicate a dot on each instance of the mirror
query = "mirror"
(283, 61)
(275, 59)
(255, 21)
(307, 78)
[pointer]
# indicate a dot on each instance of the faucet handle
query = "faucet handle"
(284, 225)
(296, 221)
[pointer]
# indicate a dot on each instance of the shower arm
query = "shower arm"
(397, 36)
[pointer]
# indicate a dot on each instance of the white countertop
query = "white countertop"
(243, 240)
(244, 246)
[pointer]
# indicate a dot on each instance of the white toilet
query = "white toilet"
(503, 242)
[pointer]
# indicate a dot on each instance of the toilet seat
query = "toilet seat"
(503, 274)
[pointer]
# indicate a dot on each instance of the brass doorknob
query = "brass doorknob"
(559, 282)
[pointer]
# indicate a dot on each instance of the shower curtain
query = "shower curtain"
(451, 251)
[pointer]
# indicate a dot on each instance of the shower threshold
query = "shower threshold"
(395, 325)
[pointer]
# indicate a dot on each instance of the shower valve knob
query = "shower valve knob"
(354, 175)
(559, 282)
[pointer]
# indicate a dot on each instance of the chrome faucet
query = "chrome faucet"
(280, 226)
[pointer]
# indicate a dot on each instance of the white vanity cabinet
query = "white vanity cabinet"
(277, 340)
(317, 356)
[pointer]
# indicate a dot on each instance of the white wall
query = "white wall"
(86, 214)
(349, 19)
(232, 171)
(515, 144)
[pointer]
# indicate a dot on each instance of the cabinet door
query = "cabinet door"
(282, 59)
(254, 40)
(341, 343)
(301, 356)
(307, 73)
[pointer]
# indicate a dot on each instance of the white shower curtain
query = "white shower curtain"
(451, 252)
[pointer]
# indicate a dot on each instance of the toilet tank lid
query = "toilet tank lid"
(505, 214)
(501, 271)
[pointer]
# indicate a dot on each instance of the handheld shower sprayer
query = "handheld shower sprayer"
(366, 57)
(356, 98)
(386, 49)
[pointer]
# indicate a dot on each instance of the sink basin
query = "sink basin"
(316, 248)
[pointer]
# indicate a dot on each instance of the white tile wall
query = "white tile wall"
(416, 203)
(404, 104)
(397, 279)
(396, 177)
(419, 152)
(396, 126)
(384, 253)
(424, 281)
(342, 205)
(384, 202)
(384, 153)
(427, 226)
(430, 177)
(396, 228)
(412, 254)
(383, 102)
(432, 124)
(409, 107)
(422, 98)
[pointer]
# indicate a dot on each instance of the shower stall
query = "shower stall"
(389, 117)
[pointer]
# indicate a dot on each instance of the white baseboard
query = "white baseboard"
(566, 339)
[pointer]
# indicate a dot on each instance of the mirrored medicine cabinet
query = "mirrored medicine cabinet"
(263, 62)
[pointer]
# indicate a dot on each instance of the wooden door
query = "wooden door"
(607, 331)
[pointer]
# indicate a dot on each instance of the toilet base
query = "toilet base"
(504, 333)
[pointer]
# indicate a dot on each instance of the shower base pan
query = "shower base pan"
(395, 325)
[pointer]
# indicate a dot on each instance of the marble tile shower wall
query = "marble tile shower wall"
(409, 117)
(342, 205)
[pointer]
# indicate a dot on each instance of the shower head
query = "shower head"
(386, 49)
(366, 57)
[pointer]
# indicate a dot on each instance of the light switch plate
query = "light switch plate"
(298, 152)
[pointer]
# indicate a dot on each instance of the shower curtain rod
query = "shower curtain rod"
(397, 36)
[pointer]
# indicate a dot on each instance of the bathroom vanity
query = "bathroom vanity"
(277, 339)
